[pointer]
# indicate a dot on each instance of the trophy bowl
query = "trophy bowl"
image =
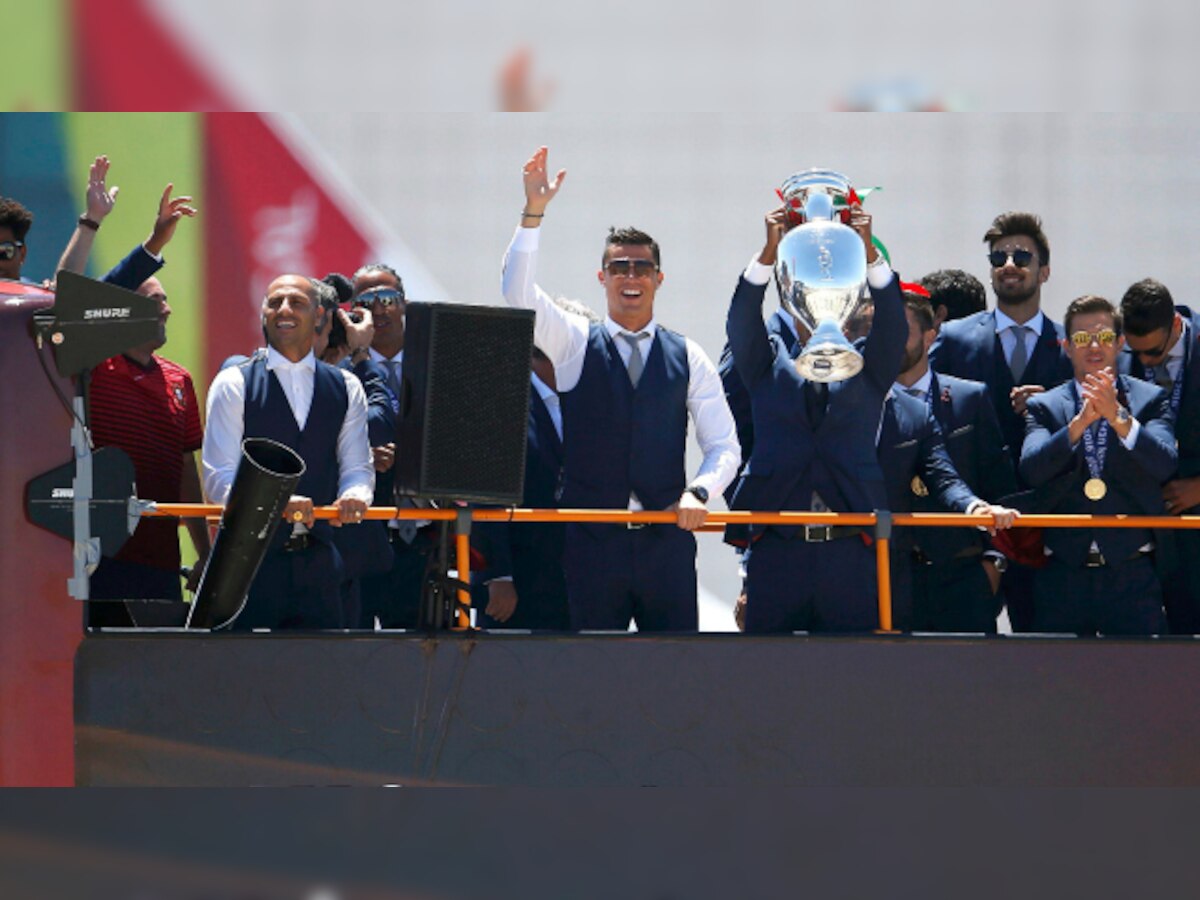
(821, 275)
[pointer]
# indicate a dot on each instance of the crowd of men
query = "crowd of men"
(957, 408)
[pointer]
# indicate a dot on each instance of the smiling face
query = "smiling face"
(290, 316)
(1094, 356)
(1011, 283)
(631, 279)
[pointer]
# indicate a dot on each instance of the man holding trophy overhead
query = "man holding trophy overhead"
(816, 419)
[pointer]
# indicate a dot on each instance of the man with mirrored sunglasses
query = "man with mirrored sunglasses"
(1100, 444)
(392, 594)
(1162, 341)
(1014, 348)
(628, 389)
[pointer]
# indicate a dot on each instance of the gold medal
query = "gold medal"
(918, 487)
(1095, 489)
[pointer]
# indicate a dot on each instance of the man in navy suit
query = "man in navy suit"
(1014, 348)
(956, 576)
(523, 585)
(1101, 444)
(814, 448)
(629, 388)
(1162, 340)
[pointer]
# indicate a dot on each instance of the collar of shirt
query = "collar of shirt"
(1004, 322)
(276, 360)
(378, 357)
(544, 390)
(922, 384)
(651, 328)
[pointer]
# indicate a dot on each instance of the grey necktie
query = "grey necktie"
(1020, 356)
(635, 364)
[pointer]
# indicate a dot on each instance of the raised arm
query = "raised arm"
(744, 327)
(562, 336)
(98, 203)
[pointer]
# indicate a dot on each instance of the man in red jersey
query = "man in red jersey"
(146, 406)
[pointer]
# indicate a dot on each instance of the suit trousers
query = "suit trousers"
(617, 574)
(1181, 586)
(1123, 598)
(954, 596)
(298, 589)
(394, 597)
(793, 585)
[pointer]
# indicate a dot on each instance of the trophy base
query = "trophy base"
(829, 358)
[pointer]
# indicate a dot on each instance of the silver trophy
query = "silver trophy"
(821, 273)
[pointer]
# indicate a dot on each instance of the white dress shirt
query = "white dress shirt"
(222, 451)
(550, 398)
(1008, 340)
(563, 337)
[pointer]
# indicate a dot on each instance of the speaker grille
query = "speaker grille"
(475, 401)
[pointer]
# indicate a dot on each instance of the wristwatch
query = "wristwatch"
(698, 492)
(999, 561)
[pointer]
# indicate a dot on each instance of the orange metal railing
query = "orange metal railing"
(716, 521)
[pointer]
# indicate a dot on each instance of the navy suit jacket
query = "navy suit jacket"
(365, 547)
(1187, 417)
(135, 268)
(976, 446)
(792, 453)
(531, 552)
(970, 348)
(736, 394)
(1057, 471)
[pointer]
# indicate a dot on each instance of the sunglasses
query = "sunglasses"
(637, 268)
(8, 249)
(385, 297)
(1020, 258)
(1106, 337)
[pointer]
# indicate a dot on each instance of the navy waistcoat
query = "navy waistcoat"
(619, 441)
(269, 415)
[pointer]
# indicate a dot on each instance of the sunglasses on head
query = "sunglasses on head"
(8, 249)
(1105, 337)
(638, 268)
(385, 297)
(1020, 258)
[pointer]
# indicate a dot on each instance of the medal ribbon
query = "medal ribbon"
(1177, 387)
(1095, 447)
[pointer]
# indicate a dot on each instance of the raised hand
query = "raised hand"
(860, 221)
(777, 226)
(539, 190)
(100, 199)
(170, 211)
(1101, 390)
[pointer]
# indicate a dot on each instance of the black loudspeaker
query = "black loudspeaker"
(464, 405)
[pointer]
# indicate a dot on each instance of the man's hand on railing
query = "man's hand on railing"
(691, 512)
(1003, 516)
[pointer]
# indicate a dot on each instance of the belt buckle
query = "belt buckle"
(1095, 560)
(818, 534)
(635, 526)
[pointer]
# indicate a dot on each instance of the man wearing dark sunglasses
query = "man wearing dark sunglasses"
(1100, 444)
(15, 222)
(1015, 349)
(1163, 341)
(629, 387)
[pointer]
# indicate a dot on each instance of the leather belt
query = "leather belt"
(921, 559)
(819, 534)
(298, 542)
(1095, 559)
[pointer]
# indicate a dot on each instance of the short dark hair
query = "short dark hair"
(341, 284)
(1146, 307)
(383, 268)
(1010, 223)
(921, 308)
(960, 292)
(630, 236)
(1090, 303)
(15, 216)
